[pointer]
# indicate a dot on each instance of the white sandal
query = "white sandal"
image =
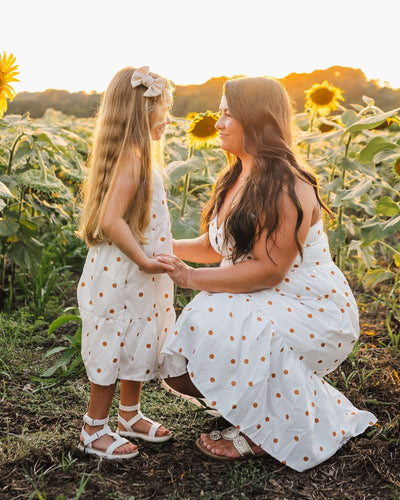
(233, 434)
(239, 442)
(150, 436)
(88, 439)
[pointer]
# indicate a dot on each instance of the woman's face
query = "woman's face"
(230, 130)
(161, 119)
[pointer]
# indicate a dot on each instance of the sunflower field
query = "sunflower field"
(355, 153)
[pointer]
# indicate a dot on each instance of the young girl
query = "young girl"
(125, 300)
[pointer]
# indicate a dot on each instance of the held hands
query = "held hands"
(180, 272)
(153, 266)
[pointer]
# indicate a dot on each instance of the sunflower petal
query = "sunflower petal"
(8, 72)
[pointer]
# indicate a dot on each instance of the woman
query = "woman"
(277, 314)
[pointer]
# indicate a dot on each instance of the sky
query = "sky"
(80, 44)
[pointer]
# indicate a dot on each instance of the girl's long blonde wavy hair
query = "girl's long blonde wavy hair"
(123, 127)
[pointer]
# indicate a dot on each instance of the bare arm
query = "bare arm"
(196, 250)
(263, 271)
(122, 191)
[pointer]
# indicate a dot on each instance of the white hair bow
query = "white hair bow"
(154, 86)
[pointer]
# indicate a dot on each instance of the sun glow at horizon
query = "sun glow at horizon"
(90, 42)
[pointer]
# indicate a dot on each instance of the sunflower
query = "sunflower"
(397, 167)
(7, 75)
(386, 124)
(202, 131)
(322, 98)
(191, 116)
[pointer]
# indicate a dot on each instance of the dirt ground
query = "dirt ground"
(39, 459)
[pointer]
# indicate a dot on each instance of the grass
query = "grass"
(41, 419)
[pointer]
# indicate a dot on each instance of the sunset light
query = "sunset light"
(80, 44)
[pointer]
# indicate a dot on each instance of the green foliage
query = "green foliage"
(69, 363)
(354, 164)
(42, 167)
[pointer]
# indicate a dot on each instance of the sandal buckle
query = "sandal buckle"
(215, 435)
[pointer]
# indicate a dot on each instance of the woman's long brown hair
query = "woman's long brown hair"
(262, 107)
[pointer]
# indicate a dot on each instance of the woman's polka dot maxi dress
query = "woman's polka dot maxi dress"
(124, 310)
(259, 358)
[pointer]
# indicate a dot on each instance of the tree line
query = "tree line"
(200, 98)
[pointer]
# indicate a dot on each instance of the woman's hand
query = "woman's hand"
(154, 266)
(180, 272)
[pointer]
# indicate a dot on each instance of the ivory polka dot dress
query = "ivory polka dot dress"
(124, 310)
(260, 358)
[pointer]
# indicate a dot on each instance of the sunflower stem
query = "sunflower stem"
(389, 247)
(3, 265)
(310, 130)
(186, 184)
(185, 193)
(340, 211)
(12, 152)
(387, 186)
(199, 187)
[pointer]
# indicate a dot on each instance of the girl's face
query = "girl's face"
(230, 130)
(161, 119)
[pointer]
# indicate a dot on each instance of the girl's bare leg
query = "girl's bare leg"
(130, 395)
(99, 408)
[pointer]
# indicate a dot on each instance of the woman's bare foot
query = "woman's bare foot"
(104, 442)
(226, 448)
(142, 426)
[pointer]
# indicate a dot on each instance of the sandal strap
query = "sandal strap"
(139, 416)
(119, 441)
(89, 438)
(153, 429)
(92, 422)
(129, 423)
(129, 408)
(242, 446)
(233, 434)
(230, 433)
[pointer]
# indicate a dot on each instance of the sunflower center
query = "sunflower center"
(397, 167)
(2, 79)
(322, 96)
(205, 127)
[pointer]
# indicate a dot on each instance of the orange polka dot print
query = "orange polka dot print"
(126, 311)
(260, 358)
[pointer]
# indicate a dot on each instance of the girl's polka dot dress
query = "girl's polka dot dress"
(124, 310)
(260, 358)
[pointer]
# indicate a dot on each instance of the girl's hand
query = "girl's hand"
(154, 266)
(180, 272)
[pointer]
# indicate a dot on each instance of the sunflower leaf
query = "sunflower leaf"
(349, 117)
(387, 156)
(371, 121)
(374, 146)
(8, 228)
(377, 230)
(178, 169)
(387, 207)
(4, 191)
(375, 276)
